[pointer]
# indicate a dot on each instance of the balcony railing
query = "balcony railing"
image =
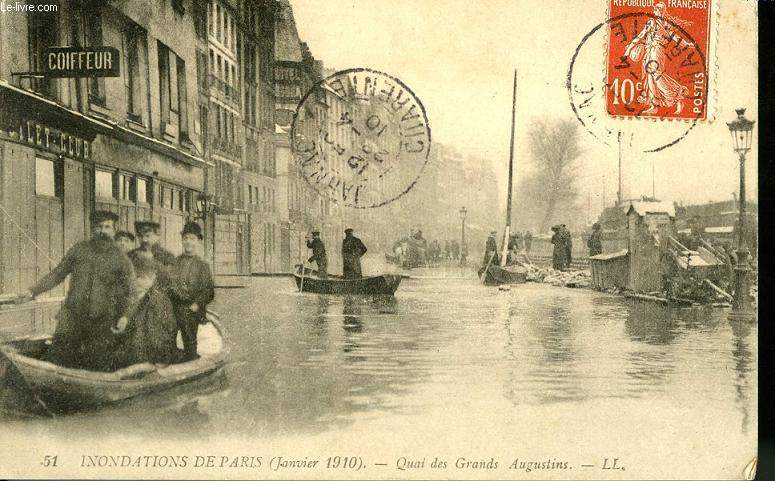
(226, 148)
(229, 91)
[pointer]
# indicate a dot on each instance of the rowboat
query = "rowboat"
(385, 284)
(497, 275)
(80, 387)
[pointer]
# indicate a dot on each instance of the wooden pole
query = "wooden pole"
(507, 231)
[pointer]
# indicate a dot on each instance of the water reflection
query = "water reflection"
(742, 357)
(306, 363)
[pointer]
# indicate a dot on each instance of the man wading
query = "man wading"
(98, 295)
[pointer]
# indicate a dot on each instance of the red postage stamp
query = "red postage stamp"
(657, 58)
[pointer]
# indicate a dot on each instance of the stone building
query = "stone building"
(131, 144)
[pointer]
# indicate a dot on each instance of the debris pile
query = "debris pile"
(547, 275)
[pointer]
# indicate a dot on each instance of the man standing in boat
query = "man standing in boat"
(98, 295)
(352, 251)
(191, 288)
(491, 250)
(319, 255)
(148, 233)
(567, 244)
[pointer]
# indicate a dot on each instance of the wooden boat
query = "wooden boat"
(385, 284)
(497, 275)
(87, 388)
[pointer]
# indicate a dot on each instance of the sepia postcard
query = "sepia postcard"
(360, 239)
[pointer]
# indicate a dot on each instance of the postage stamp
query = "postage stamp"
(370, 146)
(656, 58)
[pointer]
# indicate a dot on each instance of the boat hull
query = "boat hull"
(497, 275)
(87, 388)
(385, 284)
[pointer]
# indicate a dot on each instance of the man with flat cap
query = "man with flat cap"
(191, 288)
(318, 254)
(148, 234)
(352, 251)
(97, 297)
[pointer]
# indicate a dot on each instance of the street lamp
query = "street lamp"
(741, 130)
(463, 213)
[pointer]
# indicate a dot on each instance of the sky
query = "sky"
(458, 57)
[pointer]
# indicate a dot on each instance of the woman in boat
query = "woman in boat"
(150, 335)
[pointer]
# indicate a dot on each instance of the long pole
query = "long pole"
(619, 192)
(507, 232)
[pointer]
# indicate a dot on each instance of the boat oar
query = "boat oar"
(301, 284)
(487, 268)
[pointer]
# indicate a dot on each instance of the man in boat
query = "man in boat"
(558, 252)
(319, 255)
(513, 247)
(352, 251)
(151, 332)
(191, 288)
(98, 295)
(595, 242)
(125, 241)
(491, 250)
(148, 233)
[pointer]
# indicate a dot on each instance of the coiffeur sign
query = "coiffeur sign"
(81, 62)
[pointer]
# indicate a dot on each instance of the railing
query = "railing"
(228, 90)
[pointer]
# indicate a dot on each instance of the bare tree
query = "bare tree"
(555, 150)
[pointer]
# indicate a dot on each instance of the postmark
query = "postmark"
(361, 138)
(666, 80)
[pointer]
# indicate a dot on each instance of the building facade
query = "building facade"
(131, 144)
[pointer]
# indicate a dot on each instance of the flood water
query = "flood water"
(468, 369)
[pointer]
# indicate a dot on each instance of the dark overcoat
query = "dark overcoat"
(98, 295)
(352, 251)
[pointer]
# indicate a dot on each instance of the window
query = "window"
(103, 184)
(49, 178)
(93, 38)
(218, 22)
(143, 192)
(136, 49)
(126, 187)
(43, 32)
(182, 99)
(164, 83)
(250, 194)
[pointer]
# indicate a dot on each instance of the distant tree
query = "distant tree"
(551, 183)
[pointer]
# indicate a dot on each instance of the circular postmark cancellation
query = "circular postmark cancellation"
(654, 70)
(361, 138)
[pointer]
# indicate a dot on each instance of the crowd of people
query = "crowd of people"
(416, 251)
(125, 304)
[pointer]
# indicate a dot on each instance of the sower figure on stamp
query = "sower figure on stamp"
(352, 251)
(148, 233)
(98, 295)
(191, 288)
(318, 254)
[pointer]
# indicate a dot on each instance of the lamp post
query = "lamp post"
(741, 130)
(463, 213)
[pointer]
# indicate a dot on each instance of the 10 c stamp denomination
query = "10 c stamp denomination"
(369, 146)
